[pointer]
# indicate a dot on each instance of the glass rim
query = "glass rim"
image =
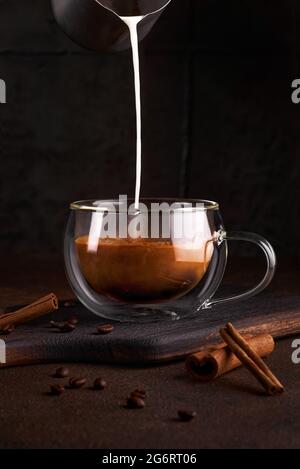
(89, 205)
(144, 16)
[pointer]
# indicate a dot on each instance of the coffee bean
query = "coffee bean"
(186, 416)
(7, 329)
(62, 372)
(67, 327)
(105, 329)
(99, 384)
(56, 324)
(139, 393)
(77, 383)
(64, 326)
(135, 403)
(57, 389)
(73, 320)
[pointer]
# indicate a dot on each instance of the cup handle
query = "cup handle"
(271, 265)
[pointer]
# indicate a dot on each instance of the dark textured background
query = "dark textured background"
(218, 118)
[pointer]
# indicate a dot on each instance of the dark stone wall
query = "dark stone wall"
(217, 117)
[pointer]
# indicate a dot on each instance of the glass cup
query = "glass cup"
(165, 260)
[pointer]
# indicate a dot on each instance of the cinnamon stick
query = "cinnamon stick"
(43, 306)
(270, 386)
(211, 363)
(252, 353)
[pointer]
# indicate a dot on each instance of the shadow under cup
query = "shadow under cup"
(164, 260)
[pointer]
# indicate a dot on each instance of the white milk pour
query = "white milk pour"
(132, 23)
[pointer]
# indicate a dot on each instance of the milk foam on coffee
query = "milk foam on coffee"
(132, 23)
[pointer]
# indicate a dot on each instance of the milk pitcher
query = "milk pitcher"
(96, 24)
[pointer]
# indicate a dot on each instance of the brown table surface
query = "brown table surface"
(231, 412)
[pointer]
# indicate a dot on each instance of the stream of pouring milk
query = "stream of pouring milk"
(132, 23)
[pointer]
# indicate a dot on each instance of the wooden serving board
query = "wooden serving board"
(36, 342)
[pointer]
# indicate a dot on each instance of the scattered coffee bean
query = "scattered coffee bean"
(62, 372)
(77, 383)
(135, 403)
(99, 384)
(67, 327)
(7, 329)
(57, 389)
(105, 329)
(73, 320)
(186, 416)
(139, 393)
(64, 326)
(56, 324)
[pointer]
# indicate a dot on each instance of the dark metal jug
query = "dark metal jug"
(95, 24)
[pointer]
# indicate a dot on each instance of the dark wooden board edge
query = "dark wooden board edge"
(279, 325)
